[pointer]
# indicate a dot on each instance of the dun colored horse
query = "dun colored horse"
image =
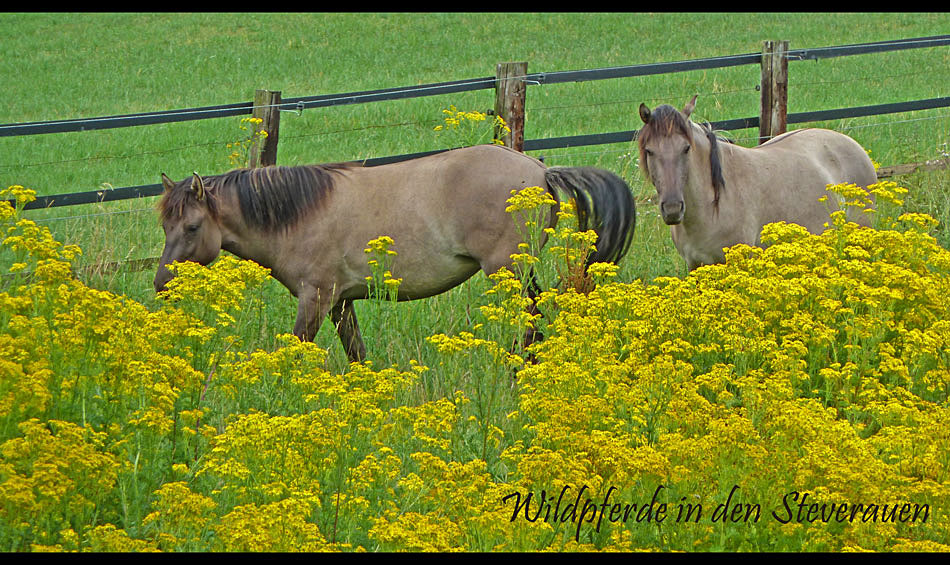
(715, 195)
(445, 213)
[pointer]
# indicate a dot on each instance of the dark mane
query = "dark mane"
(665, 120)
(270, 198)
(175, 200)
(715, 163)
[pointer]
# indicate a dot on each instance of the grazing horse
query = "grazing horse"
(715, 195)
(445, 212)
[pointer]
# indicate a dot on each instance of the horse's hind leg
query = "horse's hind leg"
(533, 290)
(344, 318)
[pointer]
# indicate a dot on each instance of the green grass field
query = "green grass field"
(89, 65)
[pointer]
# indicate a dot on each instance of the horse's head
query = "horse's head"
(189, 218)
(665, 143)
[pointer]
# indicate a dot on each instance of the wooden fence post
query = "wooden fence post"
(773, 111)
(264, 153)
(509, 102)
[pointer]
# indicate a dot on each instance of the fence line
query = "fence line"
(525, 79)
(325, 100)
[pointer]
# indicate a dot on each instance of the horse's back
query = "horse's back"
(464, 188)
(838, 156)
(809, 160)
(491, 167)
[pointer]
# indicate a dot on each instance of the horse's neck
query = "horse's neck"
(705, 219)
(241, 240)
(698, 192)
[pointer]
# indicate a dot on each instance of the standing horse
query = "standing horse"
(446, 213)
(715, 195)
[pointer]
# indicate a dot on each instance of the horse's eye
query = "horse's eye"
(648, 152)
(686, 149)
(192, 228)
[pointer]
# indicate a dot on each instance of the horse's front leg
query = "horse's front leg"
(344, 318)
(312, 307)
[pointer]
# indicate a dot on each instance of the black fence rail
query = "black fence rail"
(542, 78)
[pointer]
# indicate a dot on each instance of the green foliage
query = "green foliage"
(816, 367)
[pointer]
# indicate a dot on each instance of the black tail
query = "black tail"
(604, 203)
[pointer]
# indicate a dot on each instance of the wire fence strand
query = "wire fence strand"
(542, 79)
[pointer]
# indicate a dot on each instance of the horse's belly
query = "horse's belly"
(424, 279)
(429, 282)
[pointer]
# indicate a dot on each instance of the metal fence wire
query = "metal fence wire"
(530, 79)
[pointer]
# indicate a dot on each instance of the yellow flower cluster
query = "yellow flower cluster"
(53, 473)
(466, 128)
(791, 368)
(26, 239)
(241, 149)
(382, 285)
(793, 382)
(213, 292)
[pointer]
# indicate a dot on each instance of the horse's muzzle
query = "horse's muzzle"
(672, 212)
(161, 279)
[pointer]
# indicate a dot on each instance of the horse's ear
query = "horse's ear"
(688, 109)
(198, 186)
(644, 113)
(167, 183)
